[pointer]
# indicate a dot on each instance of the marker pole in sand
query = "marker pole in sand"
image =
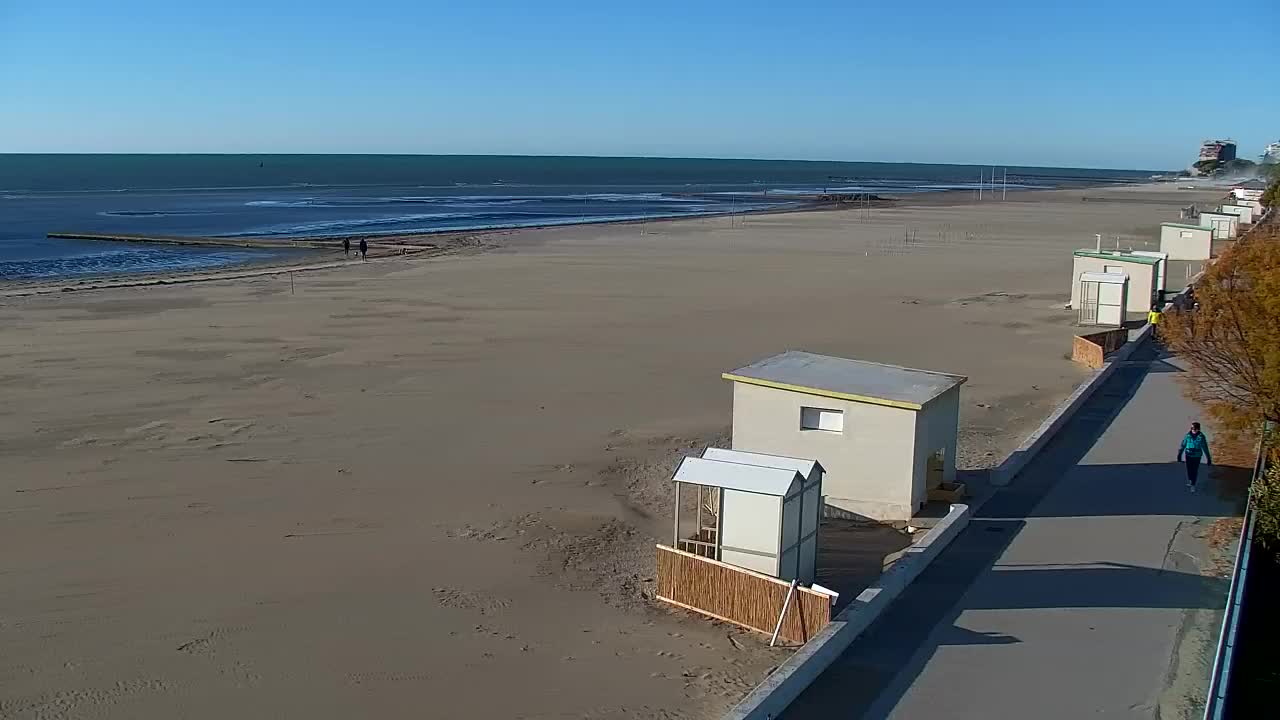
(1004, 186)
(1099, 237)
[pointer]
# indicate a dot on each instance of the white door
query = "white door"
(1110, 304)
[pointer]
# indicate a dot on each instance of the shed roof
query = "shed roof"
(1120, 257)
(846, 379)
(800, 465)
(736, 476)
(1218, 213)
(1185, 226)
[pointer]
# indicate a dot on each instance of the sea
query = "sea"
(284, 196)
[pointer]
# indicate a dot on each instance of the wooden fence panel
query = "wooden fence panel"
(739, 596)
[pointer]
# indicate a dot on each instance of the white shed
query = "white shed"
(1162, 275)
(886, 435)
(1144, 275)
(1103, 299)
(1224, 225)
(1186, 242)
(752, 511)
(1244, 212)
(1247, 193)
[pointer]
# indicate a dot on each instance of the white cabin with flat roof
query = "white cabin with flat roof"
(884, 434)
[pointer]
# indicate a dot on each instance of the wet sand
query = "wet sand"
(431, 486)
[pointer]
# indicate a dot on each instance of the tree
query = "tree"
(1239, 166)
(1232, 342)
(1231, 345)
(1271, 196)
(1206, 167)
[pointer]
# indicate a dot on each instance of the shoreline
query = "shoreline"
(446, 241)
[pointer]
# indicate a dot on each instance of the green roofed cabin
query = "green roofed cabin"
(1144, 272)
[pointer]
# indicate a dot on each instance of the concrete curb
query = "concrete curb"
(785, 684)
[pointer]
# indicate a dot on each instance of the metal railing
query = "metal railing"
(1220, 681)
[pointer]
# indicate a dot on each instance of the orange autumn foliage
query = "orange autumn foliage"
(1231, 344)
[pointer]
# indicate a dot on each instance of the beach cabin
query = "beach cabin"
(1244, 212)
(1224, 225)
(749, 510)
(885, 435)
(1249, 190)
(1162, 270)
(1186, 242)
(1103, 299)
(1144, 275)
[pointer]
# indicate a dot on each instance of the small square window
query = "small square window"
(821, 419)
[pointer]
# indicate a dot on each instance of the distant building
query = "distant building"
(1219, 150)
(1272, 153)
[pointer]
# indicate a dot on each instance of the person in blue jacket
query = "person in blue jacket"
(1194, 446)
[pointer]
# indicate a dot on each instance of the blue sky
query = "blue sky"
(1125, 83)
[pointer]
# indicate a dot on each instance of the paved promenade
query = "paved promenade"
(1075, 593)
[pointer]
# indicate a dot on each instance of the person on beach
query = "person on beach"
(1194, 446)
(364, 248)
(346, 246)
(1154, 316)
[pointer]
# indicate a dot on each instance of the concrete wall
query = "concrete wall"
(1092, 350)
(1142, 280)
(870, 466)
(1199, 246)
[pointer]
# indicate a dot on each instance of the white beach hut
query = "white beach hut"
(886, 435)
(1244, 212)
(1224, 225)
(1186, 242)
(753, 511)
(1144, 274)
(1103, 299)
(1162, 273)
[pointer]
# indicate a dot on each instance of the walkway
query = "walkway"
(1074, 593)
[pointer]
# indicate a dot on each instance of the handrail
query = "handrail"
(1220, 681)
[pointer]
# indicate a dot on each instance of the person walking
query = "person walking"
(1154, 316)
(346, 246)
(364, 248)
(1194, 446)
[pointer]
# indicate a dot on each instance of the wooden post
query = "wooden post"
(782, 616)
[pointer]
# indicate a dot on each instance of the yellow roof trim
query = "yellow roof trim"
(823, 393)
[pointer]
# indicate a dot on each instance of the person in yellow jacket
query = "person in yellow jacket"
(1154, 316)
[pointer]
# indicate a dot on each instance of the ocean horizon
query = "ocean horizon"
(284, 196)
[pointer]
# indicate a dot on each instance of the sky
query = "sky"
(1117, 84)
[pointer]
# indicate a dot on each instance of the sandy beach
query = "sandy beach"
(430, 486)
